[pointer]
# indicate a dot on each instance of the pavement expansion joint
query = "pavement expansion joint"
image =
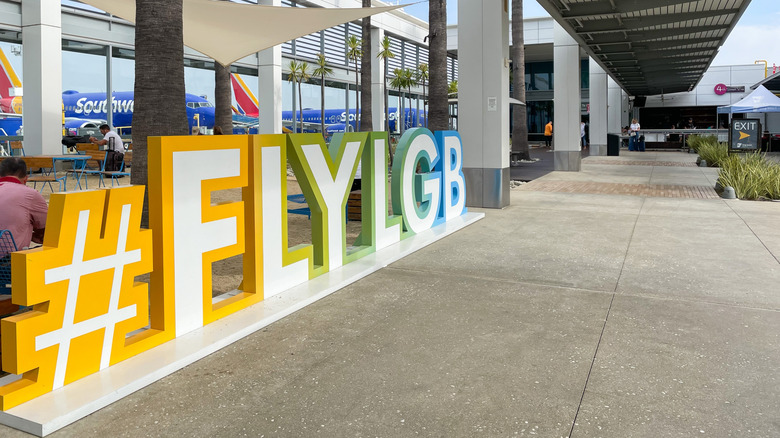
(605, 188)
(640, 163)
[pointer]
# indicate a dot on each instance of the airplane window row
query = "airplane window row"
(199, 104)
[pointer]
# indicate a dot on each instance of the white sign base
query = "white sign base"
(57, 409)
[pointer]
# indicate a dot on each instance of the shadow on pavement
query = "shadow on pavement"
(538, 169)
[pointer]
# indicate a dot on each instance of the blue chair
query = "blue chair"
(7, 246)
(99, 172)
(114, 174)
(305, 211)
(299, 199)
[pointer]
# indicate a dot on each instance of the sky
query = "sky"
(752, 39)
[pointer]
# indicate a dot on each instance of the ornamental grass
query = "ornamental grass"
(751, 175)
(712, 151)
(695, 141)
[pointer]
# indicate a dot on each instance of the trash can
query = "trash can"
(613, 145)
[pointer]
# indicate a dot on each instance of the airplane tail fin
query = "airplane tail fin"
(8, 77)
(247, 102)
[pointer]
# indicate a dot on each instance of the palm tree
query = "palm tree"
(354, 53)
(303, 76)
(385, 53)
(159, 82)
(399, 82)
(422, 78)
(223, 111)
(366, 118)
(519, 112)
(294, 68)
(452, 88)
(299, 73)
(223, 102)
(437, 102)
(410, 81)
(322, 71)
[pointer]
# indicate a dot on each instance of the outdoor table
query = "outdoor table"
(48, 164)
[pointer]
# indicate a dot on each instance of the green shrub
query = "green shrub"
(713, 152)
(695, 141)
(751, 175)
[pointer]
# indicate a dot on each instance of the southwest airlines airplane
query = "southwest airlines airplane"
(87, 110)
(335, 119)
(90, 110)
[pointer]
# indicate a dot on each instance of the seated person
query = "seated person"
(114, 147)
(24, 209)
(111, 140)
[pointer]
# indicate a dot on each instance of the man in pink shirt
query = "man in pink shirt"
(22, 209)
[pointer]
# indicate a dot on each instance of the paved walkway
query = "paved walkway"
(564, 314)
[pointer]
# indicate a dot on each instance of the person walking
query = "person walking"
(548, 133)
(583, 140)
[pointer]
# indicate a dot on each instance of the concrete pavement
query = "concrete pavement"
(566, 314)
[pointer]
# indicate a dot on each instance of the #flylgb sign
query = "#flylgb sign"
(88, 312)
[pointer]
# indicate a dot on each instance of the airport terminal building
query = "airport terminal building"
(608, 64)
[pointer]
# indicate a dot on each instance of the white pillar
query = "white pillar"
(614, 112)
(377, 81)
(598, 109)
(269, 84)
(567, 98)
(483, 101)
(42, 76)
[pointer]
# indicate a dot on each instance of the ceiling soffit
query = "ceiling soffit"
(650, 46)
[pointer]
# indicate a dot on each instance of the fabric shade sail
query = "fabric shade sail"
(760, 100)
(228, 31)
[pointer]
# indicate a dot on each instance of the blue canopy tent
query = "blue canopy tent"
(760, 100)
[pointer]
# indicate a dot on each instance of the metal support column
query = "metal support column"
(566, 125)
(483, 101)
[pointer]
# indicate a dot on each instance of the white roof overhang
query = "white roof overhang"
(650, 46)
(229, 31)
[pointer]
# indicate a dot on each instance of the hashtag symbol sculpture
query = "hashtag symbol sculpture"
(82, 287)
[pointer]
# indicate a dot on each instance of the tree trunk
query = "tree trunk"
(294, 104)
(223, 112)
(387, 102)
(400, 121)
(357, 98)
(437, 36)
(411, 117)
(300, 103)
(519, 112)
(160, 103)
(425, 106)
(366, 118)
(322, 105)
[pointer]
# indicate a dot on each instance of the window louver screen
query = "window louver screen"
(396, 47)
(308, 46)
(334, 45)
(410, 56)
(424, 56)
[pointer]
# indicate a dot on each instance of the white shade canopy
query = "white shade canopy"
(229, 31)
(760, 100)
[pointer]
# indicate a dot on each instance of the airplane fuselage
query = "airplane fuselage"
(91, 106)
(339, 117)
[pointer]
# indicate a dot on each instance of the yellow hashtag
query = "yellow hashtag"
(82, 287)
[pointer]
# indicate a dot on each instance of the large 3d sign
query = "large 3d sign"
(88, 310)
